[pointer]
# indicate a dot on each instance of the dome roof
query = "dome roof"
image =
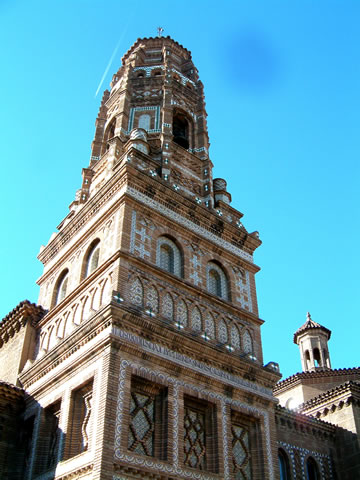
(310, 325)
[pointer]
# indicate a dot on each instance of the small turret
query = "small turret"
(312, 339)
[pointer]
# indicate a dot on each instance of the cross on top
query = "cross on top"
(160, 31)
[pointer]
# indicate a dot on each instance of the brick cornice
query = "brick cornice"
(298, 378)
(345, 393)
(8, 391)
(127, 178)
(18, 317)
(292, 418)
(138, 323)
(160, 41)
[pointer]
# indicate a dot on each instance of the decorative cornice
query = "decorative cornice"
(193, 364)
(18, 317)
(75, 473)
(298, 377)
(159, 40)
(295, 419)
(9, 391)
(80, 337)
(349, 389)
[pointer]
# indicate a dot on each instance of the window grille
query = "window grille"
(148, 419)
(200, 439)
(241, 453)
(194, 439)
(142, 425)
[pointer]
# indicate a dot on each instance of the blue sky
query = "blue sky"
(283, 100)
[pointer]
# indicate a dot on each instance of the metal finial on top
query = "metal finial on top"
(308, 316)
(160, 31)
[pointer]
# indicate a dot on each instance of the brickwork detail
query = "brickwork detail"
(222, 331)
(140, 238)
(168, 306)
(152, 299)
(247, 342)
(181, 220)
(136, 292)
(235, 337)
(196, 319)
(210, 324)
(174, 467)
(182, 313)
(242, 285)
(195, 365)
(73, 315)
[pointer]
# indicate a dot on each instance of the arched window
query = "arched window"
(108, 134)
(217, 281)
(110, 131)
(284, 466)
(307, 359)
(169, 257)
(312, 470)
(92, 258)
(181, 130)
(317, 359)
(61, 287)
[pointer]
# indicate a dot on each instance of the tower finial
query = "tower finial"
(160, 31)
(308, 316)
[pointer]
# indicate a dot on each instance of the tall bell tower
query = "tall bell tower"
(148, 360)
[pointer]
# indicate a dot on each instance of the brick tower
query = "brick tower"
(145, 360)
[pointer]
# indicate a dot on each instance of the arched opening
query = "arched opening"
(216, 281)
(140, 75)
(169, 256)
(61, 287)
(92, 258)
(284, 465)
(312, 470)
(109, 133)
(307, 359)
(157, 73)
(181, 130)
(317, 358)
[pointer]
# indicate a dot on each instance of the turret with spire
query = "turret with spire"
(312, 339)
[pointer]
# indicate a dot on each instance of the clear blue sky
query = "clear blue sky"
(283, 100)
